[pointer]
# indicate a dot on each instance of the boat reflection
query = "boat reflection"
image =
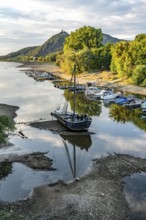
(75, 146)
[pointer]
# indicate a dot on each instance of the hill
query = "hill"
(22, 52)
(108, 38)
(53, 44)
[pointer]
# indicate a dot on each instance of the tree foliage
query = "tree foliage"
(127, 56)
(84, 48)
(139, 75)
(84, 37)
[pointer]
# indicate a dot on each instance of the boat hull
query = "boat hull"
(73, 124)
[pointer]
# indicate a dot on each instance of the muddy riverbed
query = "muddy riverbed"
(98, 195)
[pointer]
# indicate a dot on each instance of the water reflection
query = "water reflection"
(122, 132)
(122, 114)
(72, 155)
(135, 192)
(83, 105)
(5, 169)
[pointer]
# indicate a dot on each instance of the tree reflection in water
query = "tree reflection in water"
(123, 114)
(6, 124)
(5, 169)
(83, 105)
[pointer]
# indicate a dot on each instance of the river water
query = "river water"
(36, 100)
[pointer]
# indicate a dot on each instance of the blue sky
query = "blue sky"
(31, 22)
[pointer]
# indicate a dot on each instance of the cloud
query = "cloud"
(31, 22)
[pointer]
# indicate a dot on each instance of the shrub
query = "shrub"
(139, 75)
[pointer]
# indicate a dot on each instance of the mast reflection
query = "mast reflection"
(74, 145)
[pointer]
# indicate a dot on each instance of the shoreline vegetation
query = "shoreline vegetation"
(98, 195)
(104, 78)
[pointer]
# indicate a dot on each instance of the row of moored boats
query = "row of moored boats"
(40, 75)
(109, 96)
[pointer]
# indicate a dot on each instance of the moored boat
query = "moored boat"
(104, 93)
(72, 120)
(134, 104)
(111, 96)
(143, 108)
(91, 90)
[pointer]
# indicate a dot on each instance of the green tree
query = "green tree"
(140, 37)
(127, 55)
(84, 37)
(40, 59)
(139, 75)
(102, 58)
(119, 58)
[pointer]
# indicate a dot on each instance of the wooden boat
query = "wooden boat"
(72, 120)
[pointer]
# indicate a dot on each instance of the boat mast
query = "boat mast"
(74, 76)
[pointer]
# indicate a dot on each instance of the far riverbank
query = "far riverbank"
(83, 78)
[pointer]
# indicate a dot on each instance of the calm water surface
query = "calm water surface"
(36, 100)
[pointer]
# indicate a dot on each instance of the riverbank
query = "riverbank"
(99, 78)
(98, 195)
(37, 160)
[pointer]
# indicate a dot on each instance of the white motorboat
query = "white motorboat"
(99, 94)
(91, 90)
(110, 96)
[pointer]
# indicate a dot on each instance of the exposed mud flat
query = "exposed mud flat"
(37, 160)
(8, 110)
(98, 195)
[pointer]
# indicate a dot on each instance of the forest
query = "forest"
(84, 48)
(125, 58)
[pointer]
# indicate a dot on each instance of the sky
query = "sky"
(26, 23)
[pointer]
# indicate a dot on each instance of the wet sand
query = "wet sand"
(98, 195)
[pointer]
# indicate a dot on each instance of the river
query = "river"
(71, 157)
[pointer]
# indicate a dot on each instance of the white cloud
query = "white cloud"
(31, 22)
